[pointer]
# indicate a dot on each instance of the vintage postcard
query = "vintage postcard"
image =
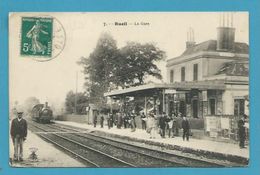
(157, 89)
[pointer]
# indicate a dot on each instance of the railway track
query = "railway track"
(132, 158)
(89, 156)
(138, 156)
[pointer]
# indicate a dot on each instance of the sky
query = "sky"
(51, 80)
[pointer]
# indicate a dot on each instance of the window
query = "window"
(239, 107)
(195, 72)
(171, 76)
(212, 106)
(183, 74)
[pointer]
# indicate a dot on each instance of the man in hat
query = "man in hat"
(162, 123)
(18, 134)
(242, 132)
(186, 128)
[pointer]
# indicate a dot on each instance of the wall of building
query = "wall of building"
(217, 95)
(188, 70)
(233, 92)
(206, 67)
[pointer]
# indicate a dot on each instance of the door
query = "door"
(212, 106)
(195, 107)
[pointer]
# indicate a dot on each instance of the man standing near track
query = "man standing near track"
(102, 121)
(95, 120)
(186, 128)
(162, 124)
(18, 134)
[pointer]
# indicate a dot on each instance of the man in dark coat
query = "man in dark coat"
(119, 120)
(186, 128)
(110, 120)
(18, 134)
(95, 120)
(162, 124)
(241, 133)
(143, 118)
(125, 120)
(102, 121)
(175, 126)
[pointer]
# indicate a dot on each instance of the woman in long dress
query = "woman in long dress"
(151, 125)
(34, 34)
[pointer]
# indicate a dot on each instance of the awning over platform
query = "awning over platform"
(149, 89)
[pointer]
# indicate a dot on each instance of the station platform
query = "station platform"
(48, 155)
(223, 149)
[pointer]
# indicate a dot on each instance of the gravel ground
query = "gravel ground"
(48, 155)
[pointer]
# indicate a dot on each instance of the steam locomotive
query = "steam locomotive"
(42, 113)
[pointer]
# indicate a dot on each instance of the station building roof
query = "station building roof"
(152, 88)
(211, 46)
(208, 49)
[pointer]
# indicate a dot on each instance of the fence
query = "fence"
(73, 118)
(224, 126)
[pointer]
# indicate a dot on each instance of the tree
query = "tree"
(139, 61)
(108, 67)
(99, 67)
(80, 100)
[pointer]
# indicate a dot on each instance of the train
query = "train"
(42, 113)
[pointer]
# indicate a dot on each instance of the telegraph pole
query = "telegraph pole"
(76, 92)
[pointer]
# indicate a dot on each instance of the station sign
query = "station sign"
(226, 54)
(170, 91)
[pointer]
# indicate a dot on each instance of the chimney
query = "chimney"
(190, 38)
(226, 33)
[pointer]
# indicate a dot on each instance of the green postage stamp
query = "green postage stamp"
(36, 36)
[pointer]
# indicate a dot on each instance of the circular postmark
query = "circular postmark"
(42, 37)
(59, 38)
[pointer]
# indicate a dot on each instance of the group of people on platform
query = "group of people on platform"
(119, 120)
(153, 124)
(167, 125)
(163, 125)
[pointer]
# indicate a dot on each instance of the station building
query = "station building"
(208, 83)
(222, 62)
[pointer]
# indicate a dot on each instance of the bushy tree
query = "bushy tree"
(80, 100)
(99, 67)
(139, 62)
(108, 67)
